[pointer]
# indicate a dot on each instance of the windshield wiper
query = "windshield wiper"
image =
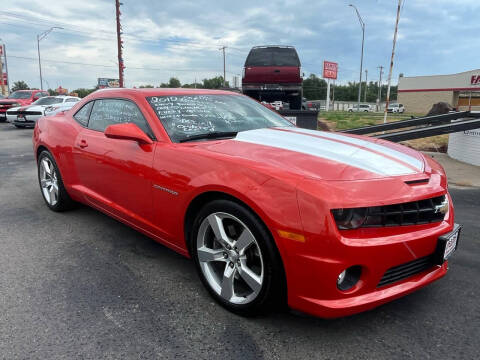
(211, 135)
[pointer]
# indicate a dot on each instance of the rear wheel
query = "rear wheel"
(51, 184)
(296, 103)
(236, 258)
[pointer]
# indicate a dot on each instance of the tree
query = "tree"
(82, 92)
(148, 86)
(20, 85)
(314, 88)
(193, 85)
(172, 83)
(214, 83)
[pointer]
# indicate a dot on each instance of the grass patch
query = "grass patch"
(342, 120)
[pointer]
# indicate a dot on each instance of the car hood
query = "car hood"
(14, 101)
(321, 155)
(37, 107)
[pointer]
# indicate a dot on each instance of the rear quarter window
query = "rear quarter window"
(83, 114)
(273, 56)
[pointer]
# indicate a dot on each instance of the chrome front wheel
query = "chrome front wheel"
(230, 258)
(51, 184)
(49, 181)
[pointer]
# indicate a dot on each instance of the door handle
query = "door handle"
(83, 144)
(276, 70)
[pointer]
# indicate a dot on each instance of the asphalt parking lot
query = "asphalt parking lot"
(82, 285)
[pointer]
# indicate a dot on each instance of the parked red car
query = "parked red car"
(273, 73)
(19, 98)
(333, 224)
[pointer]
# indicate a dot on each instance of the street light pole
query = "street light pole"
(366, 86)
(41, 37)
(362, 25)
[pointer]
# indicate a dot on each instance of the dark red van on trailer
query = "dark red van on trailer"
(273, 73)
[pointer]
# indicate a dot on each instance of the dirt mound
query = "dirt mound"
(439, 109)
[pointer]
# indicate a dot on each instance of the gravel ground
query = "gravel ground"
(80, 285)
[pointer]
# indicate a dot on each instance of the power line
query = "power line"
(115, 66)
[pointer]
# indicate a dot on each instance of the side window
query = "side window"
(107, 112)
(71, 100)
(82, 115)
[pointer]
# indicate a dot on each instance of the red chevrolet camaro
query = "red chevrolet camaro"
(331, 224)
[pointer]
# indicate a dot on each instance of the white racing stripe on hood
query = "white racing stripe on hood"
(416, 163)
(326, 149)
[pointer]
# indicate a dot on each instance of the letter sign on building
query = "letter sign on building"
(475, 80)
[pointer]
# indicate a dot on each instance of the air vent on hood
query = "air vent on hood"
(417, 181)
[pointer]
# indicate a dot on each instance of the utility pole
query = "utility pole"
(224, 72)
(362, 25)
(379, 98)
(391, 61)
(119, 43)
(2, 88)
(366, 86)
(6, 67)
(39, 38)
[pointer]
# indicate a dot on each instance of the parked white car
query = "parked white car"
(396, 108)
(27, 116)
(363, 108)
(58, 108)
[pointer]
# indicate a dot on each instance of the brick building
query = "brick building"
(419, 93)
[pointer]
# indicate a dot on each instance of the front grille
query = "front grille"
(410, 213)
(406, 270)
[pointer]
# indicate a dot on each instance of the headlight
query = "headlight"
(349, 218)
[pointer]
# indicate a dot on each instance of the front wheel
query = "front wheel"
(236, 258)
(51, 184)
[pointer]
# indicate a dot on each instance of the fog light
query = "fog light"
(348, 278)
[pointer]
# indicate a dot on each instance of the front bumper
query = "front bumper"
(317, 293)
(26, 120)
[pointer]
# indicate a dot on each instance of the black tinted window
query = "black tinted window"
(273, 56)
(107, 112)
(82, 115)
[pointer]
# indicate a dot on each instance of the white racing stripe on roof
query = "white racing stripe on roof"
(416, 163)
(326, 149)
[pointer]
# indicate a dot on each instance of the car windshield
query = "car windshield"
(184, 116)
(272, 57)
(394, 105)
(20, 95)
(48, 101)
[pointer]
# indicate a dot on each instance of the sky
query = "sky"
(182, 38)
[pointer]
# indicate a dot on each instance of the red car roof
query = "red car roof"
(161, 92)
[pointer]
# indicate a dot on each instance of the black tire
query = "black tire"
(64, 201)
(296, 103)
(273, 291)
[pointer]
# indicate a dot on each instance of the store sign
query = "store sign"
(108, 83)
(475, 80)
(330, 70)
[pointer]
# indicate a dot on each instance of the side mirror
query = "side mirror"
(127, 131)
